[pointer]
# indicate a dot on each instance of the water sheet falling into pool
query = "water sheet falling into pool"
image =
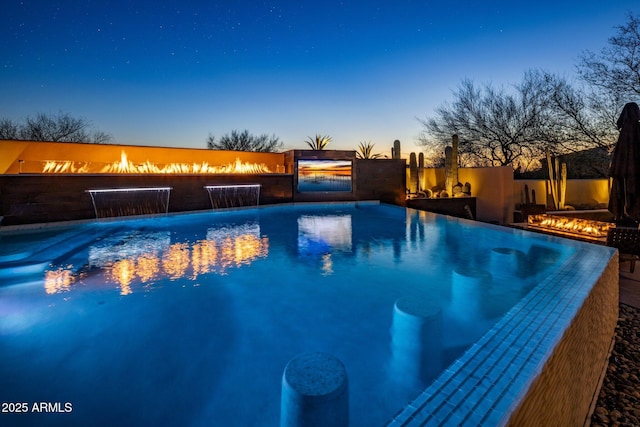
(116, 202)
(233, 196)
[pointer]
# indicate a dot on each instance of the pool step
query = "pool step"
(14, 256)
(24, 265)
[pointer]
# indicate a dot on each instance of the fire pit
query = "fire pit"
(584, 229)
(125, 166)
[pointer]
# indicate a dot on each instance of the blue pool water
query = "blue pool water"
(191, 319)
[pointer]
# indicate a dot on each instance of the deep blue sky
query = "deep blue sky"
(169, 73)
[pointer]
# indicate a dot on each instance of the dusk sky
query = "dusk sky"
(170, 73)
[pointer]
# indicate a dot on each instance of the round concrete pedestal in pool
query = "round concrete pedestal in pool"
(416, 341)
(314, 392)
(506, 263)
(467, 288)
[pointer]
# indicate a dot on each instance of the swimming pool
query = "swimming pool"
(191, 319)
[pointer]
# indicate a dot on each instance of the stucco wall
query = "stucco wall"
(580, 192)
(492, 188)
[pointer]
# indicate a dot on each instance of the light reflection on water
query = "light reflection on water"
(142, 258)
(58, 280)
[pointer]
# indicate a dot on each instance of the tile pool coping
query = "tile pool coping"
(491, 380)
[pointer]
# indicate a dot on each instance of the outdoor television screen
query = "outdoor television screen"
(324, 175)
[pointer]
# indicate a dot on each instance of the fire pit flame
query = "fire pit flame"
(125, 166)
(576, 226)
(66, 166)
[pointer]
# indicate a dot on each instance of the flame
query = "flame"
(578, 226)
(125, 166)
(66, 166)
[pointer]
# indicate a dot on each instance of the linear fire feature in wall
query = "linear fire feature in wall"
(574, 227)
(126, 166)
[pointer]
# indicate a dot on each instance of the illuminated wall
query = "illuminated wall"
(591, 192)
(492, 188)
(28, 157)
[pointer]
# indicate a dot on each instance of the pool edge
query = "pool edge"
(522, 372)
(564, 391)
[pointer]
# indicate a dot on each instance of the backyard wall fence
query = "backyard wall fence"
(27, 195)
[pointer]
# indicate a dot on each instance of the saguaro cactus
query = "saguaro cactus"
(451, 166)
(413, 173)
(421, 177)
(448, 179)
(395, 151)
(557, 180)
(454, 160)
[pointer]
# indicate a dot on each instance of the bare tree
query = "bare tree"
(9, 129)
(494, 127)
(99, 137)
(60, 128)
(585, 114)
(580, 119)
(499, 128)
(615, 71)
(245, 141)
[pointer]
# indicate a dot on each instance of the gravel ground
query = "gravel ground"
(619, 399)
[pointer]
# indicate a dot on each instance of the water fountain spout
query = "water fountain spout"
(115, 202)
(233, 196)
